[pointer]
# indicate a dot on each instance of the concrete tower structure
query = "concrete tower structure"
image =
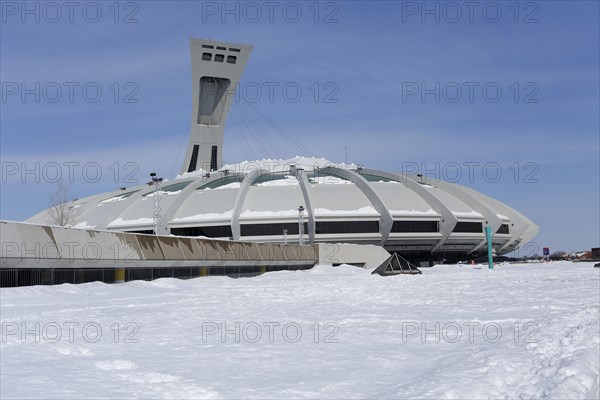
(216, 71)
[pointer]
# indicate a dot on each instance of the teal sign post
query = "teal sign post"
(488, 236)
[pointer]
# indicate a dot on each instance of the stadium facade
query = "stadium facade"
(258, 201)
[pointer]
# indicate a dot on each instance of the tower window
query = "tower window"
(212, 91)
(213, 158)
(206, 56)
(194, 159)
(219, 57)
(231, 59)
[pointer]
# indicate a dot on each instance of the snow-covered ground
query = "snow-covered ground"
(323, 333)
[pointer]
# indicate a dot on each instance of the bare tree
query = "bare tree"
(62, 212)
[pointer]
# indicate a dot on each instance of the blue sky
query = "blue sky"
(356, 63)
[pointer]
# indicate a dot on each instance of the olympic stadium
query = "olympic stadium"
(259, 201)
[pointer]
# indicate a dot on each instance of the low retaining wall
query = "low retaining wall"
(47, 255)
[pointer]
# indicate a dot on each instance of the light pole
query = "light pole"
(156, 214)
(301, 225)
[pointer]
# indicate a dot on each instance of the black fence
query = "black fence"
(13, 277)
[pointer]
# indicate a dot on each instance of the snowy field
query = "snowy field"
(519, 331)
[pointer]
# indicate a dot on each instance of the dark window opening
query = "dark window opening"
(194, 158)
(347, 227)
(207, 46)
(206, 56)
(213, 94)
(221, 48)
(271, 229)
(415, 226)
(234, 49)
(208, 231)
(219, 57)
(231, 59)
(213, 158)
(503, 229)
(176, 186)
(145, 232)
(468, 227)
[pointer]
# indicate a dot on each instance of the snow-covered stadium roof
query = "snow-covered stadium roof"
(344, 203)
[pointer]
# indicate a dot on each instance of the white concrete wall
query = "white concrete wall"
(25, 245)
(370, 256)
